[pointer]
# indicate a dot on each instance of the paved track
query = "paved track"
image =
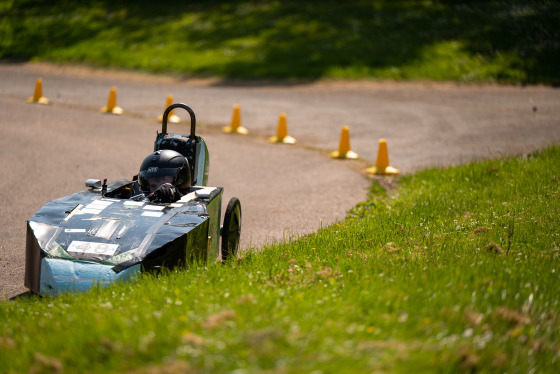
(49, 151)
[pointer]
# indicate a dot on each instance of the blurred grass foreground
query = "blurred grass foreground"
(456, 271)
(469, 41)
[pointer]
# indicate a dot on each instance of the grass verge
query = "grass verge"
(456, 271)
(484, 41)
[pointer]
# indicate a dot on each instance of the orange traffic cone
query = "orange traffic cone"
(171, 118)
(235, 126)
(382, 163)
(344, 146)
(282, 132)
(112, 103)
(38, 94)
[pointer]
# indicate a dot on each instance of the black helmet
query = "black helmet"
(164, 166)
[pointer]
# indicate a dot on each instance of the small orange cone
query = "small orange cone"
(112, 103)
(38, 94)
(171, 118)
(344, 146)
(282, 132)
(236, 123)
(382, 163)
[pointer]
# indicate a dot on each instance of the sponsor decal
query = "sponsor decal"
(93, 248)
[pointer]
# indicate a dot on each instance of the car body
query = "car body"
(109, 232)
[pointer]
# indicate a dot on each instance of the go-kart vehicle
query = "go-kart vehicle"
(111, 232)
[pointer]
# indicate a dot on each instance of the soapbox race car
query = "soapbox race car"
(112, 231)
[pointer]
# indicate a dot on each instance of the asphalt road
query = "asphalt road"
(49, 151)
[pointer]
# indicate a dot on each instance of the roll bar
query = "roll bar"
(179, 105)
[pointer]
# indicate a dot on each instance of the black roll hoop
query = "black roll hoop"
(178, 105)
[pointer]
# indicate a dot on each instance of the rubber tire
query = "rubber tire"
(231, 230)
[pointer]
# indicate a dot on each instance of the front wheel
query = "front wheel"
(231, 231)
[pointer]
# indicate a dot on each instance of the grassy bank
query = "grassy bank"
(457, 270)
(484, 41)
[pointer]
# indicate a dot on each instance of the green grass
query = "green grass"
(512, 41)
(457, 270)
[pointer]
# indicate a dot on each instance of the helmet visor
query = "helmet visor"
(151, 179)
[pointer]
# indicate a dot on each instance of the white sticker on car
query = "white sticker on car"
(103, 202)
(133, 203)
(152, 214)
(93, 248)
(91, 211)
(98, 204)
(154, 207)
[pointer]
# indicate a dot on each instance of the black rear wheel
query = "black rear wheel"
(231, 231)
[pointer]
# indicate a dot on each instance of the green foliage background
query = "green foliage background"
(484, 41)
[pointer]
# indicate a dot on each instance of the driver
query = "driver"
(165, 176)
